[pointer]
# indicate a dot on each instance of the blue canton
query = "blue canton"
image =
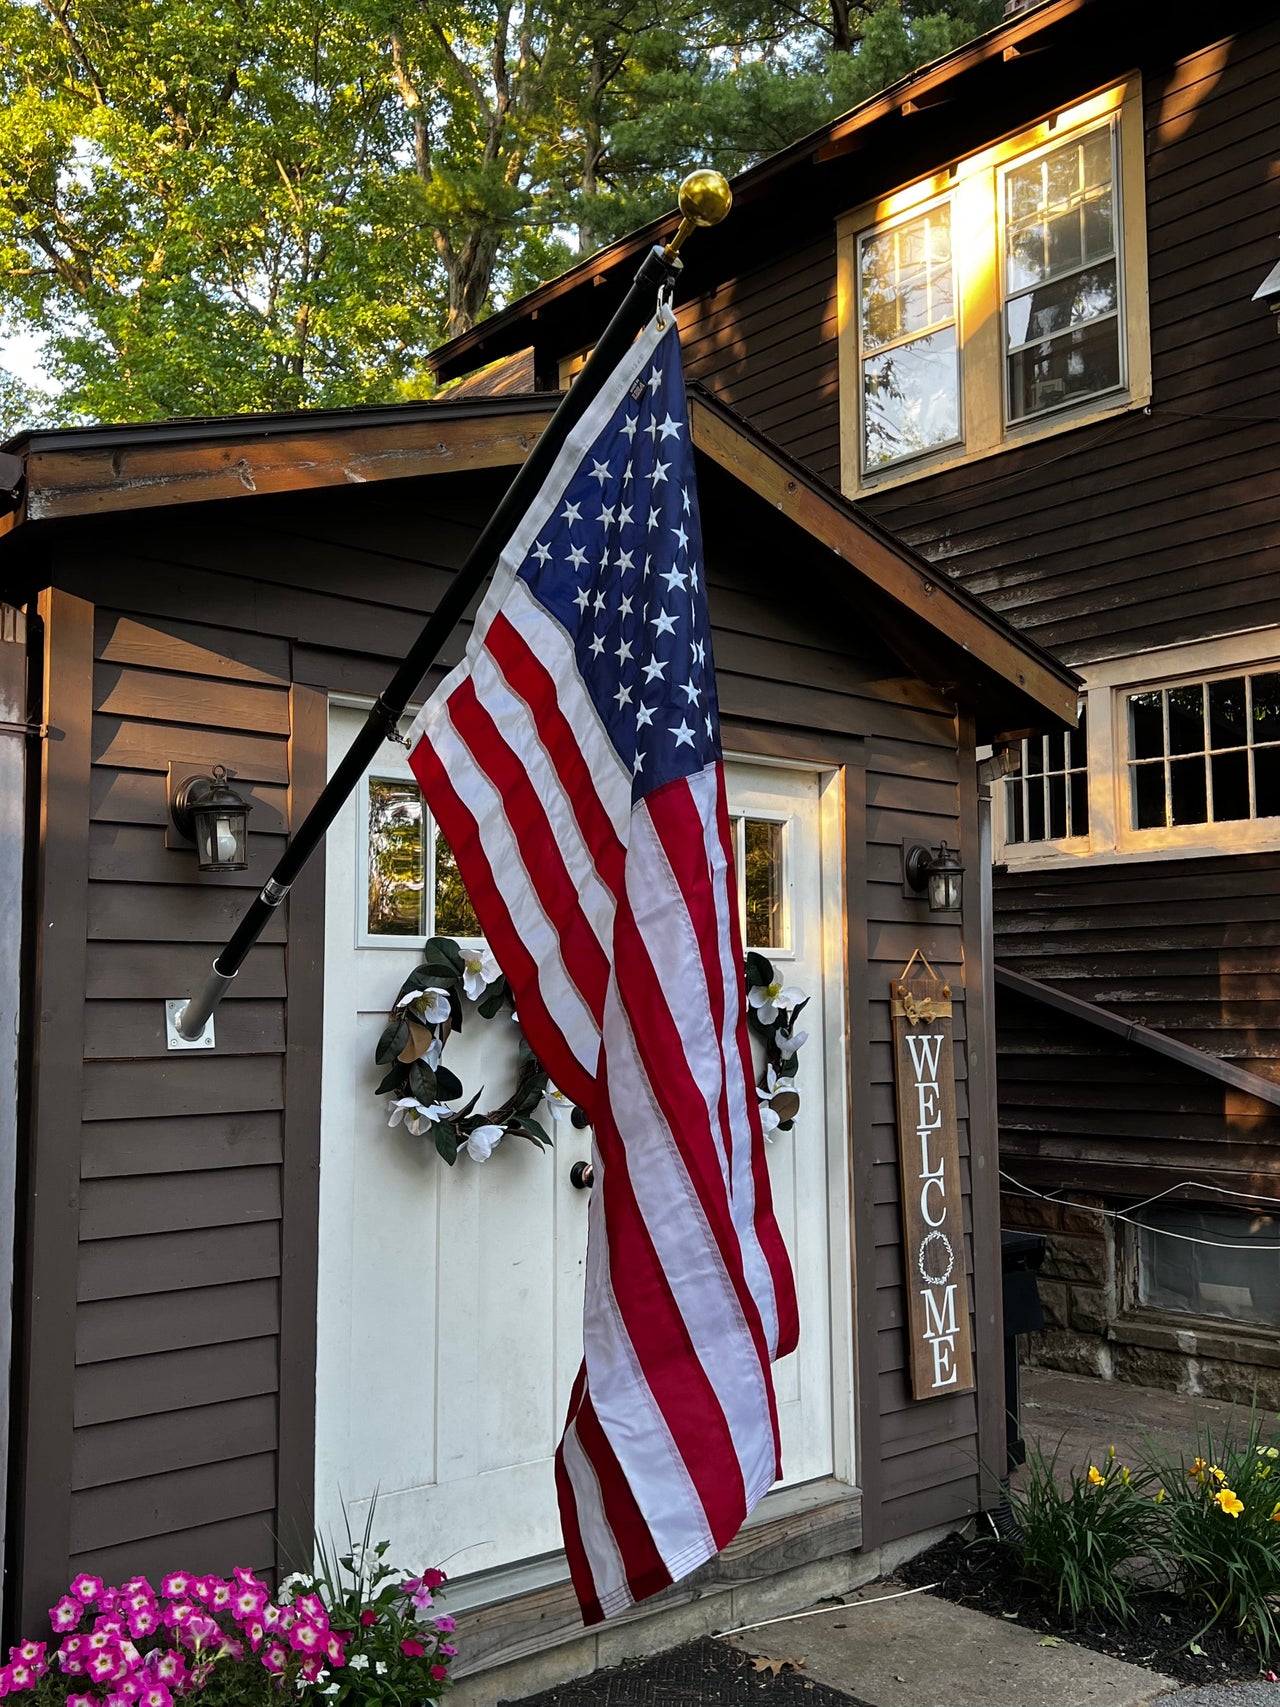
(619, 566)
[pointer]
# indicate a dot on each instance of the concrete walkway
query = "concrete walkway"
(1080, 1416)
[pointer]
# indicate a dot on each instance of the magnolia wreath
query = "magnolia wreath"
(430, 1007)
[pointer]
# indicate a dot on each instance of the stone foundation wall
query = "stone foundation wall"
(1090, 1331)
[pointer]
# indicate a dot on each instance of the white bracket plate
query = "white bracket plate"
(174, 1038)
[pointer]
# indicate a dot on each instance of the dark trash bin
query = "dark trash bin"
(1021, 1255)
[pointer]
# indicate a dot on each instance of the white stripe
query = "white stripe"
(563, 469)
(568, 1008)
(706, 789)
(608, 1572)
(626, 1409)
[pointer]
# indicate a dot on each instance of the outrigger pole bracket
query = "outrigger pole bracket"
(705, 198)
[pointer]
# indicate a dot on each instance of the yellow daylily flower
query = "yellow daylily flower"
(1124, 1474)
(1218, 1475)
(1160, 1497)
(1197, 1470)
(1096, 1476)
(1111, 1452)
(1275, 1512)
(1228, 1502)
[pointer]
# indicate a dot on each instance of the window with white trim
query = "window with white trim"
(412, 887)
(760, 850)
(1177, 752)
(1000, 300)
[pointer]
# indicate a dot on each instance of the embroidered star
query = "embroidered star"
(583, 599)
(622, 655)
(710, 730)
(597, 646)
(683, 735)
(654, 668)
(670, 428)
(693, 577)
(644, 716)
(700, 651)
(655, 380)
(624, 515)
(629, 428)
(674, 578)
(684, 493)
(623, 697)
(571, 513)
(660, 471)
(628, 472)
(639, 765)
(624, 560)
(606, 515)
(694, 693)
(604, 558)
(600, 472)
(664, 624)
(599, 603)
(542, 554)
(682, 538)
(625, 608)
(577, 556)
(653, 518)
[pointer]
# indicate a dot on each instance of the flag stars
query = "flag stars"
(625, 560)
(629, 427)
(674, 578)
(600, 472)
(692, 692)
(683, 735)
(654, 381)
(664, 624)
(541, 552)
(577, 557)
(583, 600)
(653, 670)
(626, 607)
(699, 652)
(654, 518)
(607, 513)
(597, 646)
(622, 697)
(623, 654)
(644, 716)
(660, 470)
(624, 515)
(599, 603)
(670, 428)
(684, 498)
(571, 513)
(682, 538)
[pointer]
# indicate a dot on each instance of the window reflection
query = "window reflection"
(401, 900)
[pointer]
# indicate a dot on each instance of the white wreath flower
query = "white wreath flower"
(769, 1000)
(417, 1116)
(481, 1143)
(479, 969)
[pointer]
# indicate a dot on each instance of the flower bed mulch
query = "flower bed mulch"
(985, 1574)
(705, 1673)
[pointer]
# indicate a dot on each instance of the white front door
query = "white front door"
(450, 1299)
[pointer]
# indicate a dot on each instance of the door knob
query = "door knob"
(582, 1176)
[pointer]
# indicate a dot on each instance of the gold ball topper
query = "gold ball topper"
(705, 197)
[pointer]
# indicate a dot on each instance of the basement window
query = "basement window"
(1207, 1261)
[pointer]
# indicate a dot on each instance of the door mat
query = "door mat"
(705, 1673)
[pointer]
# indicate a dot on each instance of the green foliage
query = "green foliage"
(1082, 1537)
(1220, 1531)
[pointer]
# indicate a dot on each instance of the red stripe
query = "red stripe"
(584, 1584)
(672, 1369)
(584, 958)
(646, 1572)
(463, 836)
(529, 677)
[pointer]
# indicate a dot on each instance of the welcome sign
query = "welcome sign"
(932, 1210)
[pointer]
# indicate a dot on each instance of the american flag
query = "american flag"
(573, 762)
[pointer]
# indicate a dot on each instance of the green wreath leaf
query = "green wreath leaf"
(490, 1004)
(422, 1082)
(533, 1129)
(392, 1081)
(448, 1084)
(446, 1137)
(392, 1041)
(759, 970)
(446, 949)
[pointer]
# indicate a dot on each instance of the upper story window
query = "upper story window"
(998, 301)
(1177, 752)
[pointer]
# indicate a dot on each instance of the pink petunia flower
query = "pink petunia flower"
(446, 1625)
(29, 1653)
(311, 1606)
(6, 1681)
(143, 1622)
(448, 1648)
(271, 1615)
(130, 1688)
(275, 1657)
(177, 1613)
(246, 1578)
(170, 1667)
(248, 1603)
(219, 1594)
(102, 1666)
(439, 1673)
(334, 1648)
(422, 1598)
(98, 1638)
(66, 1615)
(157, 1696)
(86, 1588)
(231, 1649)
(201, 1628)
(311, 1668)
(306, 1637)
(369, 1617)
(81, 1701)
(116, 1699)
(176, 1586)
(413, 1647)
(253, 1629)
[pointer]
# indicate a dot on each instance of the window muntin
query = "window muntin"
(1049, 800)
(1061, 276)
(1206, 1261)
(761, 858)
(909, 374)
(413, 889)
(1205, 752)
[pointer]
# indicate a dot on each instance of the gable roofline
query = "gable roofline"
(79, 473)
(510, 329)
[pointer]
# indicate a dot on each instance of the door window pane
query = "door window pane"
(760, 845)
(454, 914)
(906, 325)
(395, 859)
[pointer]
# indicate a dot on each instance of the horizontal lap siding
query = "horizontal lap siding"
(178, 1314)
(180, 1261)
(1161, 525)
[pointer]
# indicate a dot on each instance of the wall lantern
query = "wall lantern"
(940, 869)
(209, 812)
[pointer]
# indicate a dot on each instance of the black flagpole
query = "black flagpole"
(704, 199)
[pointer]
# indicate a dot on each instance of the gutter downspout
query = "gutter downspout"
(13, 745)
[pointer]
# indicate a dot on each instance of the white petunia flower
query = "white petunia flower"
(358, 1662)
(380, 1666)
(431, 1005)
(479, 969)
(770, 1000)
(481, 1143)
(789, 1041)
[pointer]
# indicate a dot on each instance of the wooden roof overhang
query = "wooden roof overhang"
(943, 634)
(1033, 63)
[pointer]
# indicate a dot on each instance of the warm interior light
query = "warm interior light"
(937, 871)
(209, 812)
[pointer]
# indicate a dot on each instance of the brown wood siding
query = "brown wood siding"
(185, 1445)
(1187, 947)
(1160, 525)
